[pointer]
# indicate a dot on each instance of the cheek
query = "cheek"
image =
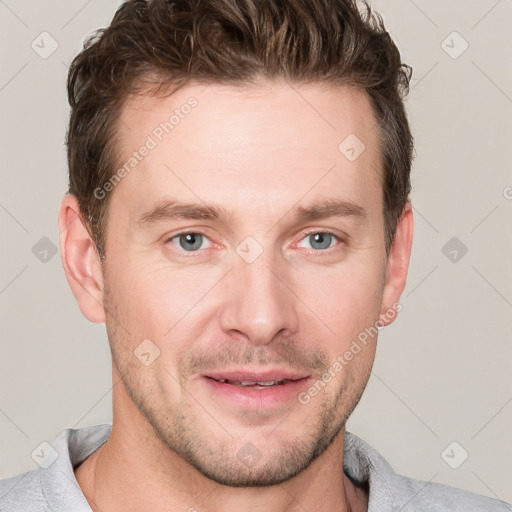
(151, 293)
(347, 303)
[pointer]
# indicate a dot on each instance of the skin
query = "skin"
(259, 152)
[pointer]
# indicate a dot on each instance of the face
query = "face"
(244, 255)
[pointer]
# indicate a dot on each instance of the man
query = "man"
(239, 218)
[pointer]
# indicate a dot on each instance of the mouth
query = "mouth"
(255, 390)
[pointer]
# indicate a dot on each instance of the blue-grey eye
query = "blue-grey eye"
(190, 241)
(321, 240)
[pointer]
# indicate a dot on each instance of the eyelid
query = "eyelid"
(188, 231)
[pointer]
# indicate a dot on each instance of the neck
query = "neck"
(134, 470)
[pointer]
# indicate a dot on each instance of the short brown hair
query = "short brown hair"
(163, 42)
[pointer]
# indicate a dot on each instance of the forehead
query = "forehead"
(274, 142)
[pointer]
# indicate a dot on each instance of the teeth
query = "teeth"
(249, 383)
(254, 384)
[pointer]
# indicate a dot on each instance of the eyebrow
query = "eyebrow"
(171, 210)
(174, 210)
(330, 208)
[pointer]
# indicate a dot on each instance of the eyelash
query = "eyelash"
(303, 235)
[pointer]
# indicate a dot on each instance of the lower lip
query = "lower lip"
(256, 398)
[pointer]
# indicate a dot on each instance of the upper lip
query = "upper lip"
(256, 376)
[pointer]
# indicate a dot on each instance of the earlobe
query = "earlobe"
(81, 261)
(397, 266)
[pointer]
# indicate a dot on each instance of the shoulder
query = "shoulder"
(52, 487)
(22, 493)
(391, 491)
(417, 495)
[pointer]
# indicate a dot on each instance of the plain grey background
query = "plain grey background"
(442, 371)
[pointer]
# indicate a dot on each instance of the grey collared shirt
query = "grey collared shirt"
(53, 487)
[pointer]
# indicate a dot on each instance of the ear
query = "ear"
(81, 261)
(397, 267)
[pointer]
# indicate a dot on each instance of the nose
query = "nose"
(259, 302)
